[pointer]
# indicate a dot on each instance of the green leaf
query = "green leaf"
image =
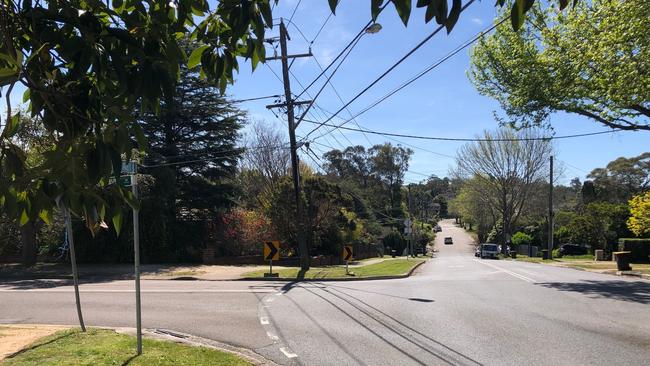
(117, 219)
(375, 8)
(517, 14)
(24, 217)
(453, 15)
(46, 216)
(422, 3)
(333, 4)
(26, 95)
(403, 8)
(12, 126)
(195, 57)
(267, 14)
(441, 11)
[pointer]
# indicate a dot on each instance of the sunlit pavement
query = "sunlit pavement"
(457, 310)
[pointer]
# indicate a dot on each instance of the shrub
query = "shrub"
(556, 253)
(520, 238)
(395, 241)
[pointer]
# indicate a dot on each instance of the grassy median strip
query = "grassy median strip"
(105, 347)
(390, 267)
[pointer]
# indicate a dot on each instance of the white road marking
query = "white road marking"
(288, 353)
(269, 299)
(272, 336)
(513, 274)
(264, 320)
(84, 290)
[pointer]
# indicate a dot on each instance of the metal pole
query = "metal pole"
(136, 261)
(73, 259)
(271, 266)
(550, 211)
(302, 244)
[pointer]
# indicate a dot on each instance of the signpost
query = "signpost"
(409, 231)
(347, 256)
(271, 253)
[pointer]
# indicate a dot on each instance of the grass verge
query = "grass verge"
(393, 267)
(105, 347)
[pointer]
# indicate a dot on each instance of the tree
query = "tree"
(639, 221)
(87, 65)
(622, 178)
(474, 208)
(591, 61)
(506, 165)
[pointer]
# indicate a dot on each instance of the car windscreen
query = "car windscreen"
(490, 247)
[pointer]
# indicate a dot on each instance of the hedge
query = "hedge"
(640, 248)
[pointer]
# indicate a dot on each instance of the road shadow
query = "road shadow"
(631, 291)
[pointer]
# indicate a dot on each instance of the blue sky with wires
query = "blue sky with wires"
(442, 103)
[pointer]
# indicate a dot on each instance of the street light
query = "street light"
(374, 28)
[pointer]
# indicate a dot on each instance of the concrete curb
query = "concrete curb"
(373, 278)
(632, 273)
(192, 340)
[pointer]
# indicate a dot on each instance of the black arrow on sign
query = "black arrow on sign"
(347, 253)
(272, 250)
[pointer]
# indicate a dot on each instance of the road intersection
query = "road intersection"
(456, 310)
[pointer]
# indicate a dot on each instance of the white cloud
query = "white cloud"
(477, 21)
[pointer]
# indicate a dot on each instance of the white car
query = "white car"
(489, 250)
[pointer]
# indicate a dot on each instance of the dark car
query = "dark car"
(449, 240)
(437, 229)
(573, 249)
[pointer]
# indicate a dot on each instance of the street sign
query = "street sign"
(407, 222)
(125, 180)
(128, 167)
(408, 230)
(347, 253)
(271, 250)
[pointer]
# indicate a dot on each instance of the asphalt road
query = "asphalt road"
(457, 310)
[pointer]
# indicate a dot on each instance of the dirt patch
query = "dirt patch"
(13, 338)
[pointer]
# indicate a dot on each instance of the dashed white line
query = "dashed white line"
(288, 353)
(264, 320)
(269, 299)
(272, 336)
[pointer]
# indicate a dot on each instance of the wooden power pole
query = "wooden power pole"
(289, 104)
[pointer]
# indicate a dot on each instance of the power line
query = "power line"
(464, 139)
(257, 98)
(427, 70)
(294, 11)
(408, 54)
(361, 32)
(235, 153)
(331, 84)
(321, 28)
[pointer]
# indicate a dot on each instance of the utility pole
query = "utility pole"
(290, 103)
(136, 262)
(410, 240)
(550, 210)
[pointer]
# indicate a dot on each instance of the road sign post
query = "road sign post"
(347, 255)
(271, 253)
(136, 261)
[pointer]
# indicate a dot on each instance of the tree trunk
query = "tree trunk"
(29, 244)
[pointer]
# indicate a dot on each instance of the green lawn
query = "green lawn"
(390, 267)
(105, 347)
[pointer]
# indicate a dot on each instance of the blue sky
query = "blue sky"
(443, 103)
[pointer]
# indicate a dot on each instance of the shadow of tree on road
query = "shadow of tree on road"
(632, 291)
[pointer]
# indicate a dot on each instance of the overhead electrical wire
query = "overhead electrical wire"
(461, 139)
(407, 55)
(294, 10)
(428, 69)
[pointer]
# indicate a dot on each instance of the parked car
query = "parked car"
(437, 229)
(573, 249)
(489, 250)
(449, 240)
(477, 252)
